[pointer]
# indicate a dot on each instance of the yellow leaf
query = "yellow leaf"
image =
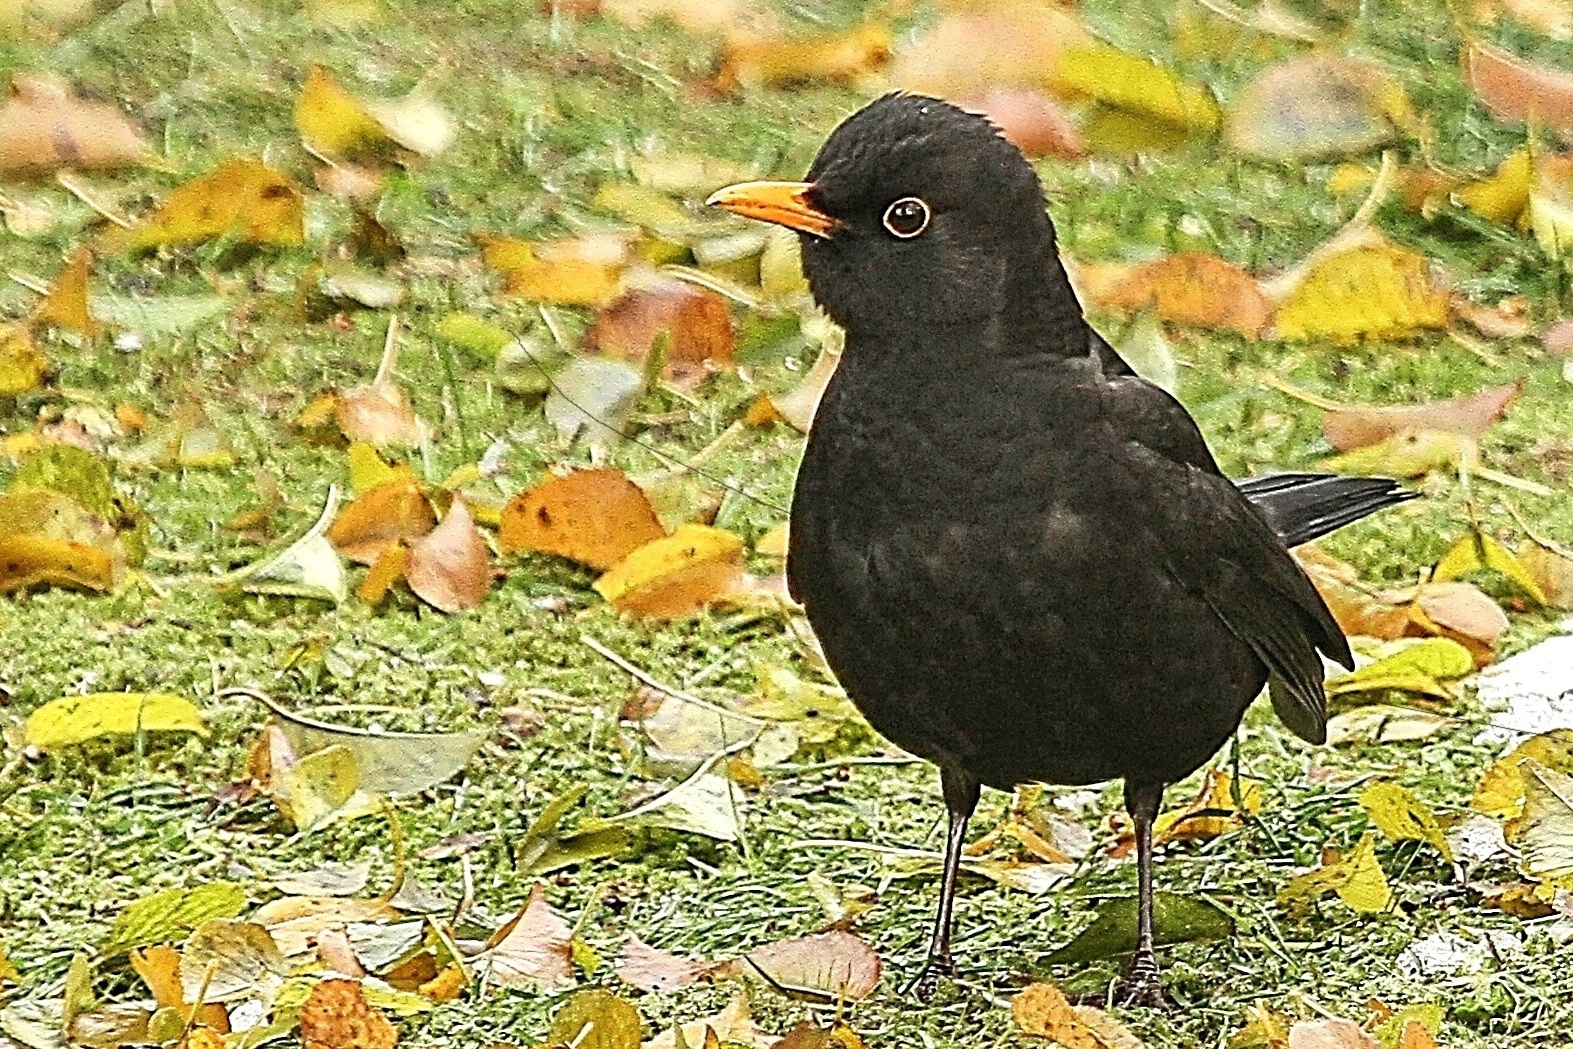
(8, 973)
(1500, 792)
(1357, 879)
(76, 719)
(1138, 85)
(22, 367)
(320, 786)
(27, 561)
(566, 273)
(1546, 832)
(242, 199)
(677, 575)
(66, 306)
(1475, 551)
(1401, 816)
(333, 122)
(1409, 453)
(1416, 666)
(776, 61)
(1370, 292)
(1503, 196)
(368, 469)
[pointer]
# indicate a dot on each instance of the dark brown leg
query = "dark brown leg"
(961, 797)
(1142, 985)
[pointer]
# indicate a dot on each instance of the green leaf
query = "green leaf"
(167, 916)
(1175, 919)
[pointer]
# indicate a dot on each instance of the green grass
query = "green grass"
(548, 112)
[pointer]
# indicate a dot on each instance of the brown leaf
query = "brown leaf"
(66, 306)
(1040, 1009)
(1518, 91)
(1031, 119)
(969, 51)
(651, 969)
(45, 126)
(534, 950)
(1508, 319)
(835, 964)
(336, 1015)
(774, 61)
(1195, 288)
(696, 319)
(379, 414)
(449, 567)
(1464, 613)
(1329, 1034)
(732, 1025)
(241, 199)
(350, 182)
(391, 511)
(1320, 104)
(1357, 610)
(595, 517)
(1558, 338)
(1356, 426)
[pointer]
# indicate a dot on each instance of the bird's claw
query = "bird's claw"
(1142, 985)
(926, 982)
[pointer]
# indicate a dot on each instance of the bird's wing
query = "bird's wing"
(1220, 546)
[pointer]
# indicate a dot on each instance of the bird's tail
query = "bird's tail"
(1301, 507)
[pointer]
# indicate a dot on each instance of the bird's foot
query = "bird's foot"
(926, 982)
(1142, 985)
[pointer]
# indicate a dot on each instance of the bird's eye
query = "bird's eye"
(907, 217)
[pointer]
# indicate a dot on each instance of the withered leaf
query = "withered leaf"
(336, 1015)
(534, 950)
(596, 517)
(449, 567)
(241, 199)
(699, 325)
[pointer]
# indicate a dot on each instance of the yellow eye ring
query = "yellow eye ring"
(907, 217)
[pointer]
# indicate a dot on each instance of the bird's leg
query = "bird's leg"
(961, 797)
(1142, 985)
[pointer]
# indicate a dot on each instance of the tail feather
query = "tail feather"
(1301, 507)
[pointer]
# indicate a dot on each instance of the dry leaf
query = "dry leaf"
(1330, 1034)
(1518, 91)
(1476, 551)
(583, 272)
(449, 567)
(1545, 830)
(596, 1019)
(1040, 1009)
(836, 965)
(1500, 792)
(1194, 288)
(1508, 319)
(733, 1025)
(390, 567)
(334, 123)
(677, 575)
(227, 960)
(45, 126)
(1031, 119)
(698, 323)
(1317, 105)
(595, 517)
(1551, 567)
(379, 415)
(243, 200)
(1359, 425)
(22, 367)
(350, 182)
(1463, 612)
(650, 969)
(534, 950)
(1369, 292)
(336, 1015)
(66, 305)
(758, 62)
(1502, 196)
(394, 510)
(969, 51)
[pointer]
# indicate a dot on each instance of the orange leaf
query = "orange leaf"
(1519, 91)
(1359, 425)
(1032, 120)
(336, 1015)
(242, 199)
(595, 517)
(449, 567)
(579, 272)
(1195, 288)
(777, 61)
(393, 510)
(66, 306)
(391, 566)
(45, 126)
(676, 576)
(697, 319)
(1357, 610)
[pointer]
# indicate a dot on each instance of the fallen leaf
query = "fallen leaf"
(596, 1019)
(1518, 91)
(1463, 612)
(595, 517)
(77, 719)
(583, 272)
(1356, 426)
(1401, 816)
(1031, 119)
(449, 567)
(1330, 1034)
(1194, 288)
(1265, 1029)
(66, 306)
(532, 951)
(1476, 551)
(226, 960)
(1508, 319)
(350, 182)
(1503, 196)
(336, 1015)
(334, 123)
(1550, 213)
(28, 561)
(774, 61)
(22, 367)
(1520, 899)
(1551, 568)
(1176, 919)
(45, 126)
(972, 49)
(1317, 105)
(650, 969)
(417, 121)
(1132, 84)
(1418, 665)
(392, 565)
(309, 567)
(170, 915)
(1379, 723)
(1370, 292)
(297, 922)
(705, 803)
(835, 965)
(1545, 830)
(796, 407)
(733, 1025)
(591, 398)
(1408, 453)
(332, 879)
(1357, 879)
(1500, 792)
(676, 575)
(242, 200)
(697, 321)
(1041, 1009)
(396, 510)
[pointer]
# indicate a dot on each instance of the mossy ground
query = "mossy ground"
(550, 108)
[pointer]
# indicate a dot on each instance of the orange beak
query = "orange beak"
(780, 202)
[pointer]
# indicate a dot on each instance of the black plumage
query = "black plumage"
(1021, 558)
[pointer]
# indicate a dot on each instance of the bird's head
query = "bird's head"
(915, 213)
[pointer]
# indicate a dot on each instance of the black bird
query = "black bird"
(1020, 558)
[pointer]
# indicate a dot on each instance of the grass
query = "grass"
(549, 109)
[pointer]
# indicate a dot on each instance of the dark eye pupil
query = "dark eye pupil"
(907, 217)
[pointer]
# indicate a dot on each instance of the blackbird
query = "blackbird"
(1021, 559)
